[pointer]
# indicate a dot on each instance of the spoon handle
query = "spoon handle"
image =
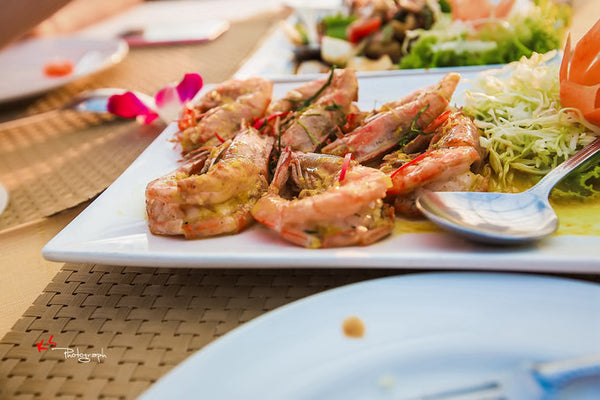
(545, 185)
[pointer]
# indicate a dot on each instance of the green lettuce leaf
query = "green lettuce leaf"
(582, 183)
(336, 25)
(453, 43)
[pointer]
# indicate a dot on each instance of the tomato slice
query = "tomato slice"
(361, 28)
(58, 68)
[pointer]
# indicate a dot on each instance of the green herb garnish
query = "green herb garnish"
(312, 98)
(311, 137)
(414, 130)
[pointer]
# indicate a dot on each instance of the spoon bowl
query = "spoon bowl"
(508, 218)
(502, 218)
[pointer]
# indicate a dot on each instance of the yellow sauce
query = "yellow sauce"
(578, 218)
(405, 225)
(575, 218)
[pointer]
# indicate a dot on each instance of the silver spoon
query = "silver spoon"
(93, 101)
(502, 218)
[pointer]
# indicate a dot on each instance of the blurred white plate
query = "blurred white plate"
(423, 332)
(22, 64)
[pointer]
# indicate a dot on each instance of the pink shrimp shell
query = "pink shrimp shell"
(361, 188)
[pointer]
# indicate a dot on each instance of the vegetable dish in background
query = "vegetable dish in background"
(369, 35)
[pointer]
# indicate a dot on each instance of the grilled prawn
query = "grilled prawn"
(213, 191)
(316, 110)
(318, 200)
(445, 166)
(395, 121)
(222, 112)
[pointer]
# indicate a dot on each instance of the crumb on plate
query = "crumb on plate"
(353, 327)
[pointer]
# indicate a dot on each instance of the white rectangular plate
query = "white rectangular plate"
(113, 229)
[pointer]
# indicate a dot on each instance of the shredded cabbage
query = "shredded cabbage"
(525, 130)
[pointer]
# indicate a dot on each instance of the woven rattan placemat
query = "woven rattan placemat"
(57, 162)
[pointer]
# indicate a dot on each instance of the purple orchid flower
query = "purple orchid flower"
(166, 105)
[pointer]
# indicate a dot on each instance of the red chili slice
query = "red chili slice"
(219, 138)
(345, 165)
(260, 122)
(411, 162)
(436, 123)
